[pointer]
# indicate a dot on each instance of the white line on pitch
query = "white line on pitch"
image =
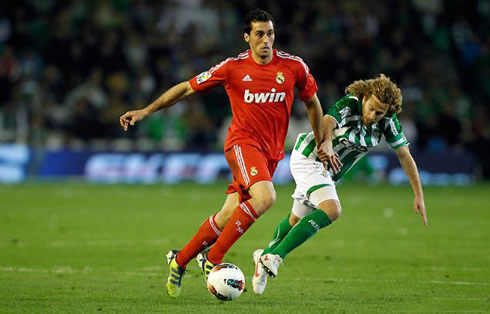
(463, 283)
(155, 271)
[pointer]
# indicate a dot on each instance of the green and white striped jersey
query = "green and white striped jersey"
(352, 140)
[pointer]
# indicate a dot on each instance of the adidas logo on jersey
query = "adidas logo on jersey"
(257, 98)
(247, 78)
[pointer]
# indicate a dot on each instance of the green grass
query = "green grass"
(68, 248)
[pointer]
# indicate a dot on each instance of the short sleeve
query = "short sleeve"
(344, 107)
(393, 132)
(305, 82)
(208, 79)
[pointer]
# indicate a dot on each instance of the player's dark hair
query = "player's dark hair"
(256, 15)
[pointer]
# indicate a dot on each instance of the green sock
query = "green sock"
(281, 231)
(302, 231)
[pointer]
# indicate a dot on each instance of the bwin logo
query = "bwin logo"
(263, 97)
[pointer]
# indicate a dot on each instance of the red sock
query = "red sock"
(205, 236)
(243, 217)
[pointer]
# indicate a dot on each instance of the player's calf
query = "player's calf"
(306, 227)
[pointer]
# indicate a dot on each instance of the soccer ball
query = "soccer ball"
(226, 282)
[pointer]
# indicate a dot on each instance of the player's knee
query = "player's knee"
(264, 201)
(225, 213)
(270, 199)
(222, 218)
(334, 215)
(263, 196)
(332, 208)
(267, 200)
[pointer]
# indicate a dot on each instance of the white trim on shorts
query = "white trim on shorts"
(241, 164)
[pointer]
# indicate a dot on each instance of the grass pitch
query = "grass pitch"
(67, 248)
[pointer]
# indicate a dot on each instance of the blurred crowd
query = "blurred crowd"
(69, 69)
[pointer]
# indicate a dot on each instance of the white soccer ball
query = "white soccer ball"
(226, 282)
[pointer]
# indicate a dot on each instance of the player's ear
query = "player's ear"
(246, 37)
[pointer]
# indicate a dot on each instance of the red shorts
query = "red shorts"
(248, 166)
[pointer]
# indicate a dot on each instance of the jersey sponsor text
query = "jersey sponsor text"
(348, 144)
(249, 97)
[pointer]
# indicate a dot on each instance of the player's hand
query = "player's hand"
(131, 117)
(419, 206)
(326, 154)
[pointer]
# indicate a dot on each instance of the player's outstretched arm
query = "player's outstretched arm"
(325, 151)
(323, 133)
(167, 99)
(315, 113)
(410, 168)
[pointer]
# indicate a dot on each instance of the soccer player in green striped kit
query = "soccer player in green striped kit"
(353, 127)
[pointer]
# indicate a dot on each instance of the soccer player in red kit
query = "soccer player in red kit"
(260, 84)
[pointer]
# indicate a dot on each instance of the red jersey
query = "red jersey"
(261, 97)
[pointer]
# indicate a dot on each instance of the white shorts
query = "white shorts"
(313, 184)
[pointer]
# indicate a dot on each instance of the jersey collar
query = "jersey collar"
(273, 61)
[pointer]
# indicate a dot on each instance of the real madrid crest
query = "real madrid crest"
(280, 78)
(253, 171)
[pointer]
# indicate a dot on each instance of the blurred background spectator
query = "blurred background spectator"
(69, 69)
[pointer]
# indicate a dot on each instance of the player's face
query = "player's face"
(373, 110)
(261, 39)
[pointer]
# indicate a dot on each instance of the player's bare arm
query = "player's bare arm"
(410, 167)
(325, 151)
(315, 114)
(167, 99)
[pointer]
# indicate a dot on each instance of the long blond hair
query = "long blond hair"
(382, 87)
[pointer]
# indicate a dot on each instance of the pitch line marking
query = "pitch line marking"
(153, 270)
(452, 282)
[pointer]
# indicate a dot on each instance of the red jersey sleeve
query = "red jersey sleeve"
(211, 78)
(305, 82)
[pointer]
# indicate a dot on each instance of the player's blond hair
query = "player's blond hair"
(382, 87)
